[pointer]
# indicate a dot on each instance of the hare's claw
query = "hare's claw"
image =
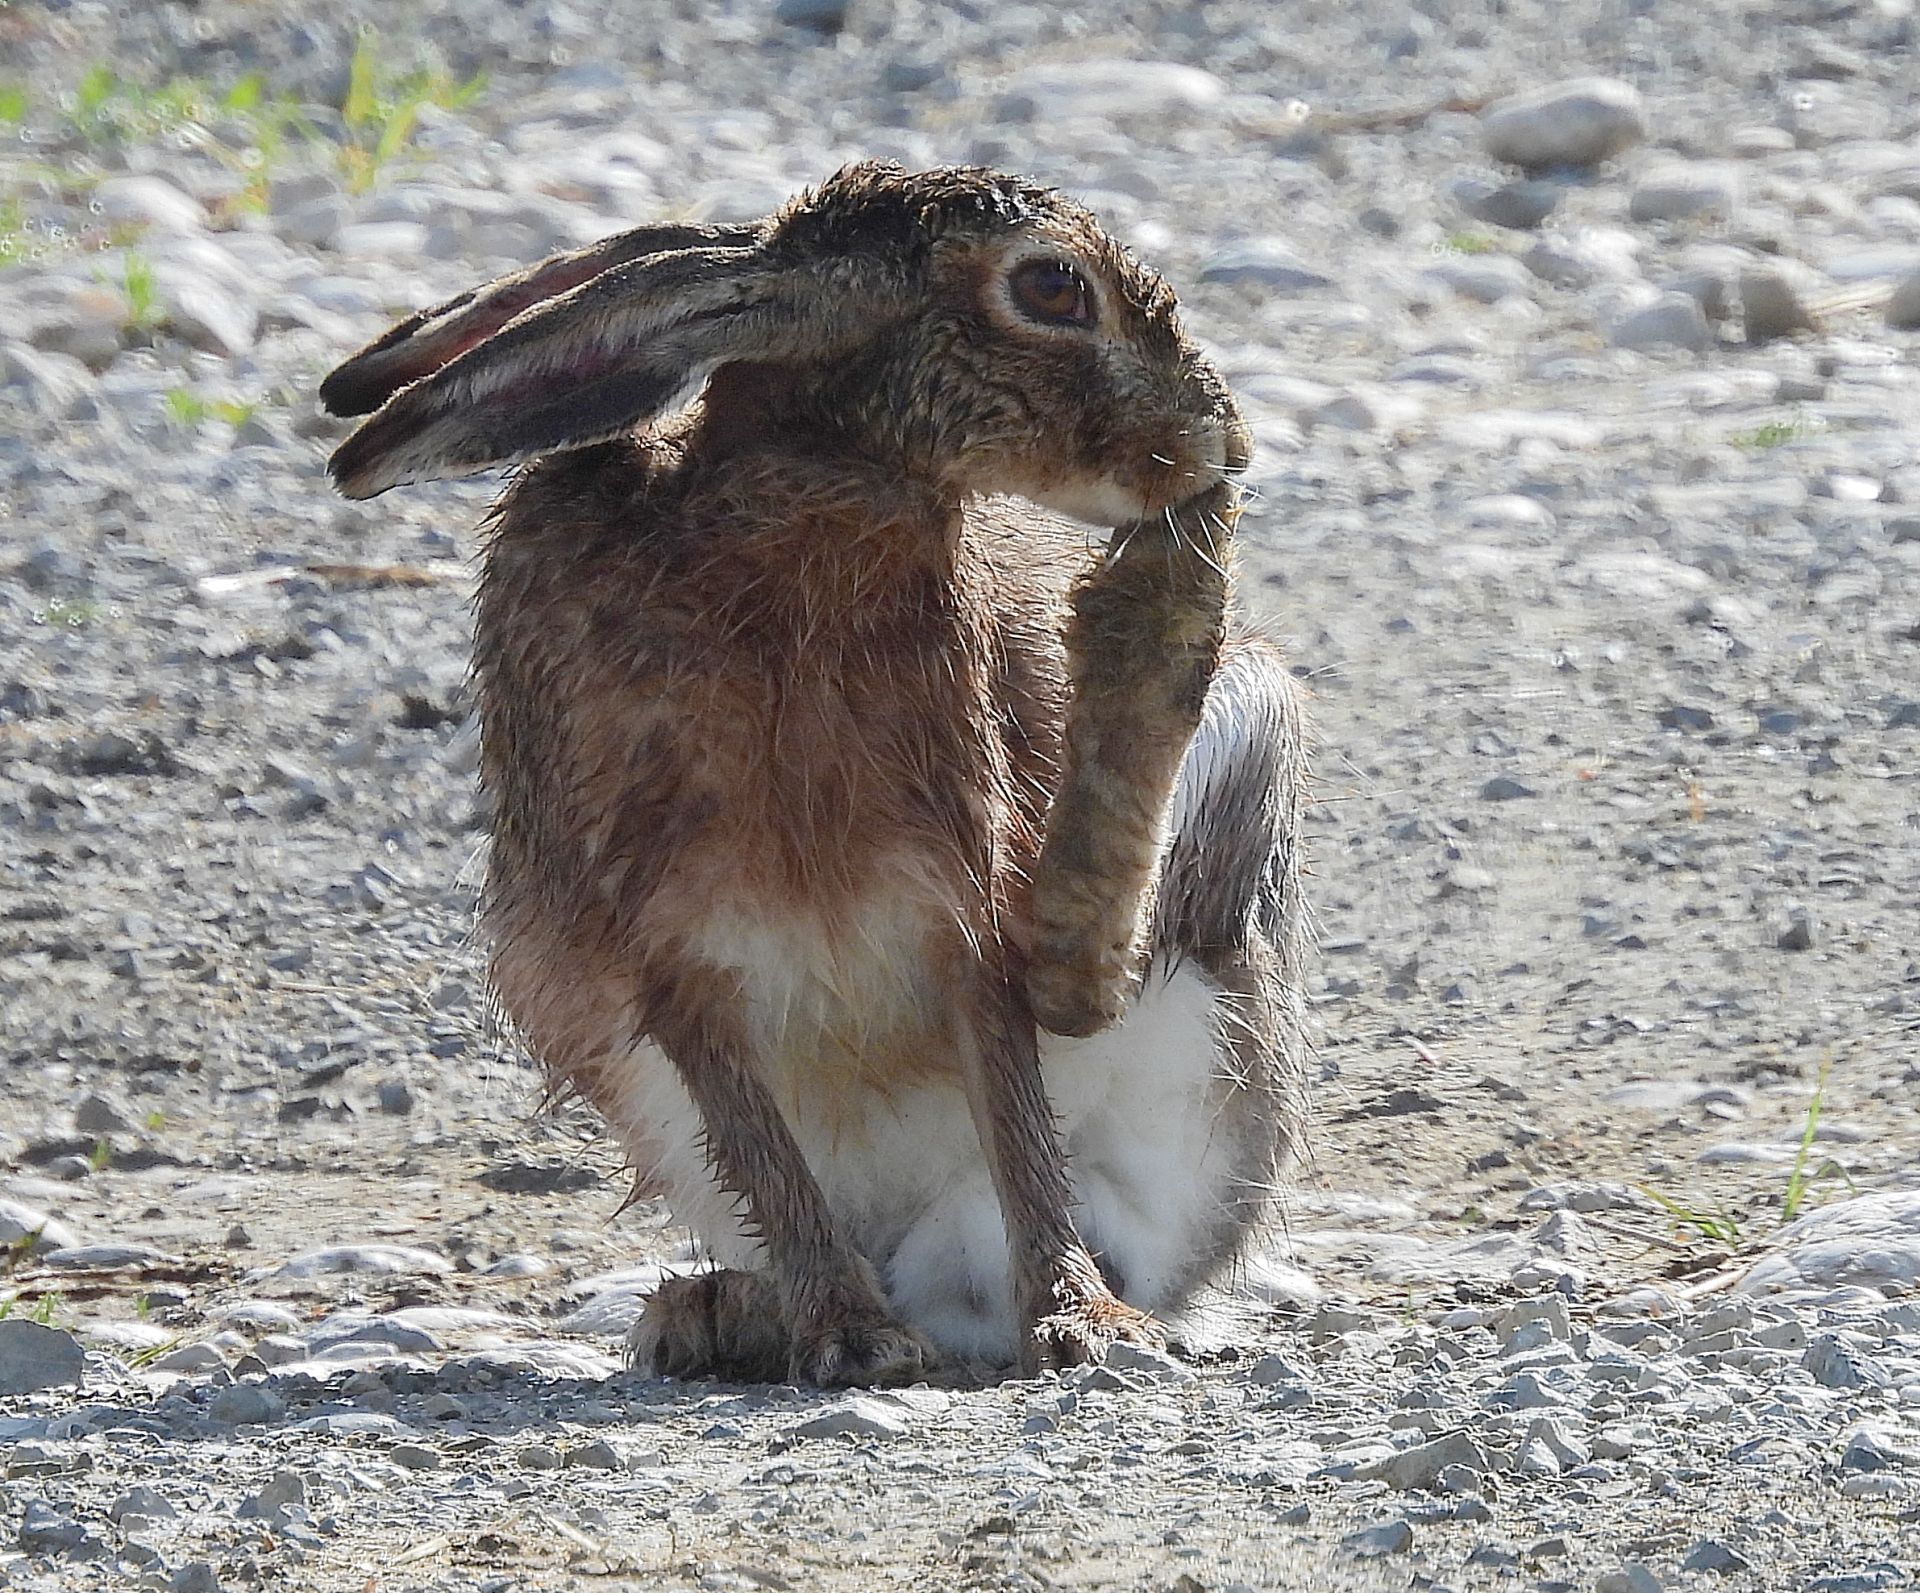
(1080, 1334)
(861, 1354)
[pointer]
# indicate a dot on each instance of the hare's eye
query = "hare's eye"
(1052, 291)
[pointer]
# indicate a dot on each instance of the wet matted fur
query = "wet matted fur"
(915, 892)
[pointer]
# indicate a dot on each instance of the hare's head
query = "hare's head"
(983, 330)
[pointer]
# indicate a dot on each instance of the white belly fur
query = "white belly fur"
(906, 1176)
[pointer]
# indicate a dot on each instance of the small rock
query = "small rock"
(1515, 206)
(103, 1258)
(1797, 933)
(1771, 307)
(1383, 1538)
(1903, 308)
(1833, 1362)
(822, 16)
(415, 1457)
(33, 1357)
(1686, 193)
(210, 316)
(1868, 1449)
(141, 1500)
(1152, 1363)
(858, 1417)
(596, 1456)
(282, 1489)
(1685, 716)
(18, 1222)
(44, 1530)
(1673, 320)
(1578, 122)
(1422, 1466)
(1266, 262)
(1504, 788)
(196, 1576)
(53, 380)
(1366, 409)
(1055, 90)
(1632, 1577)
(1486, 279)
(189, 1358)
(380, 1259)
(539, 1457)
(246, 1402)
(149, 202)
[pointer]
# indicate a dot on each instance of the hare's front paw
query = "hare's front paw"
(861, 1353)
(1081, 972)
(1082, 1332)
(1080, 995)
(724, 1324)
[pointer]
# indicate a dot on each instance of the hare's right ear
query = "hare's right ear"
(422, 343)
(602, 357)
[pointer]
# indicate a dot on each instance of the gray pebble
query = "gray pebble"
(1673, 320)
(1516, 206)
(141, 1500)
(1903, 308)
(416, 1457)
(21, 1222)
(1266, 262)
(599, 1455)
(1578, 122)
(1143, 1361)
(1381, 1539)
(33, 1356)
(1797, 932)
(1771, 306)
(1690, 192)
(1424, 1465)
(246, 1402)
(45, 1530)
(1504, 788)
(859, 1417)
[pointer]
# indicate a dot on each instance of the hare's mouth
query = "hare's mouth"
(1092, 499)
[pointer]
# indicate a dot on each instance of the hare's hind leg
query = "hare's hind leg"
(1068, 1314)
(841, 1330)
(724, 1324)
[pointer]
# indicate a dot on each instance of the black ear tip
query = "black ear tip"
(348, 390)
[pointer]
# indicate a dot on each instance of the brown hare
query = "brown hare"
(915, 893)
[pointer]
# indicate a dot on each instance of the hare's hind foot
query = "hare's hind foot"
(724, 1324)
(852, 1353)
(731, 1325)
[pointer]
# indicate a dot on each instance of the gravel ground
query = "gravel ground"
(1590, 509)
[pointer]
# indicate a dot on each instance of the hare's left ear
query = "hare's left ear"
(615, 351)
(422, 343)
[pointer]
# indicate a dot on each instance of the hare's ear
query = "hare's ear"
(609, 354)
(422, 343)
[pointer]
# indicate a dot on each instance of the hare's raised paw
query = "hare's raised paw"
(1080, 1334)
(856, 1353)
(1080, 996)
(724, 1324)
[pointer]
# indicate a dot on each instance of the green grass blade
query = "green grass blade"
(1798, 1181)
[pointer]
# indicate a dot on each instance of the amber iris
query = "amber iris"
(1052, 291)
